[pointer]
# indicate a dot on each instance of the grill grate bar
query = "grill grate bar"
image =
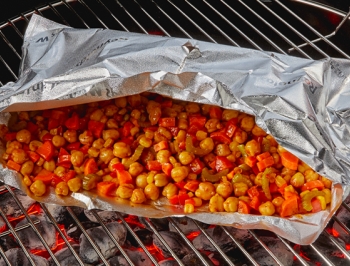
(111, 13)
(222, 253)
(155, 231)
(127, 12)
(246, 253)
(335, 242)
(75, 13)
(39, 12)
(93, 13)
(342, 225)
(301, 260)
(48, 214)
(266, 248)
(194, 23)
(58, 14)
(32, 225)
(19, 228)
(92, 243)
(313, 30)
(13, 231)
(327, 261)
(173, 21)
(151, 18)
(15, 28)
(213, 24)
(9, 44)
(3, 255)
(188, 242)
(109, 233)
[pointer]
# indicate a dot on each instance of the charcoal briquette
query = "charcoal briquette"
(17, 257)
(175, 242)
(66, 257)
(74, 230)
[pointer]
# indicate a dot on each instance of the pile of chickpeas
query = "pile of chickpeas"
(117, 145)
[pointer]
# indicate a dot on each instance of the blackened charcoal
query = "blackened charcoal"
(201, 242)
(9, 205)
(74, 231)
(279, 249)
(118, 261)
(66, 257)
(241, 235)
(168, 262)
(139, 258)
(193, 260)
(186, 225)
(102, 240)
(176, 243)
(158, 224)
(7, 242)
(60, 214)
(106, 216)
(30, 239)
(17, 257)
(145, 235)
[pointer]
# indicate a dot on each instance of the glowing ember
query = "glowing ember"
(193, 235)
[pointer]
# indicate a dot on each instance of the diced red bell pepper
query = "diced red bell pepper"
(127, 128)
(243, 207)
(230, 129)
(105, 103)
(83, 122)
(73, 122)
(215, 112)
(10, 136)
(289, 207)
(167, 103)
(198, 121)
(90, 167)
(174, 131)
(150, 128)
(32, 128)
(221, 137)
(106, 187)
(73, 146)
(53, 123)
(153, 166)
(281, 189)
(273, 188)
(313, 184)
(96, 128)
(222, 163)
(25, 147)
(174, 200)
(181, 185)
(192, 185)
(166, 122)
(69, 175)
(84, 149)
(255, 203)
(34, 157)
(255, 169)
(212, 164)
(263, 156)
(197, 166)
(45, 176)
(253, 192)
(162, 145)
(64, 158)
(193, 129)
(190, 201)
(47, 137)
(128, 140)
(267, 162)
(47, 150)
(46, 113)
(182, 145)
(167, 167)
(259, 139)
(250, 161)
(57, 114)
(13, 165)
(118, 166)
(183, 198)
(124, 177)
(55, 180)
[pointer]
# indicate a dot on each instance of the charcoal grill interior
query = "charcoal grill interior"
(276, 25)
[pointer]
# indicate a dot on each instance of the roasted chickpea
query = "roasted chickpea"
(161, 180)
(179, 173)
(110, 110)
(231, 204)
(86, 138)
(75, 184)
(135, 169)
(182, 123)
(259, 132)
(240, 136)
(212, 124)
(200, 135)
(23, 115)
(27, 181)
(192, 108)
(252, 147)
(110, 134)
(70, 135)
(19, 156)
(124, 191)
(62, 189)
(120, 102)
(297, 180)
(277, 202)
(49, 165)
(121, 150)
(163, 156)
(138, 196)
(267, 208)
(27, 168)
(134, 100)
(93, 152)
(224, 189)
(13, 145)
(229, 114)
(205, 191)
(169, 190)
(98, 144)
(38, 188)
(188, 208)
(23, 136)
(113, 162)
(186, 157)
(152, 191)
(60, 171)
(216, 203)
(77, 158)
(136, 114)
(159, 137)
(141, 180)
(327, 183)
(222, 150)
(145, 142)
(112, 123)
(166, 133)
(240, 189)
(207, 144)
(311, 175)
(96, 115)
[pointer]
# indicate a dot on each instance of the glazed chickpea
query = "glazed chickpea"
(151, 191)
(186, 157)
(13, 145)
(120, 102)
(42, 133)
(38, 188)
(27, 181)
(138, 196)
(98, 144)
(75, 184)
(326, 182)
(19, 156)
(311, 175)
(145, 142)
(159, 137)
(179, 173)
(135, 169)
(240, 136)
(297, 180)
(182, 115)
(259, 132)
(96, 115)
(231, 204)
(166, 133)
(154, 115)
(200, 135)
(110, 134)
(27, 168)
(23, 116)
(205, 191)
(60, 171)
(192, 108)
(70, 135)
(23, 136)
(188, 208)
(169, 190)
(106, 155)
(277, 202)
(77, 158)
(222, 150)
(86, 138)
(161, 180)
(252, 147)
(240, 189)
(113, 162)
(149, 134)
(328, 195)
(287, 171)
(124, 191)
(141, 180)
(163, 156)
(216, 203)
(229, 114)
(93, 152)
(112, 123)
(49, 165)
(207, 144)
(197, 202)
(224, 189)
(182, 123)
(121, 150)
(110, 110)
(212, 124)
(34, 145)
(62, 189)
(136, 114)
(267, 208)
(134, 100)
(108, 143)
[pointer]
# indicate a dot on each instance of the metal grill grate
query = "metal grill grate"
(263, 25)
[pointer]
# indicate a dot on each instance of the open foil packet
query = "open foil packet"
(301, 102)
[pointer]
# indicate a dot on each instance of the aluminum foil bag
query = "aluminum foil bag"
(303, 103)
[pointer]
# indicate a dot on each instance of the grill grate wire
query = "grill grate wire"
(179, 19)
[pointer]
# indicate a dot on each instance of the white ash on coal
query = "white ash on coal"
(159, 224)
(186, 225)
(194, 260)
(74, 231)
(144, 234)
(7, 242)
(118, 261)
(65, 257)
(139, 258)
(9, 206)
(17, 257)
(168, 262)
